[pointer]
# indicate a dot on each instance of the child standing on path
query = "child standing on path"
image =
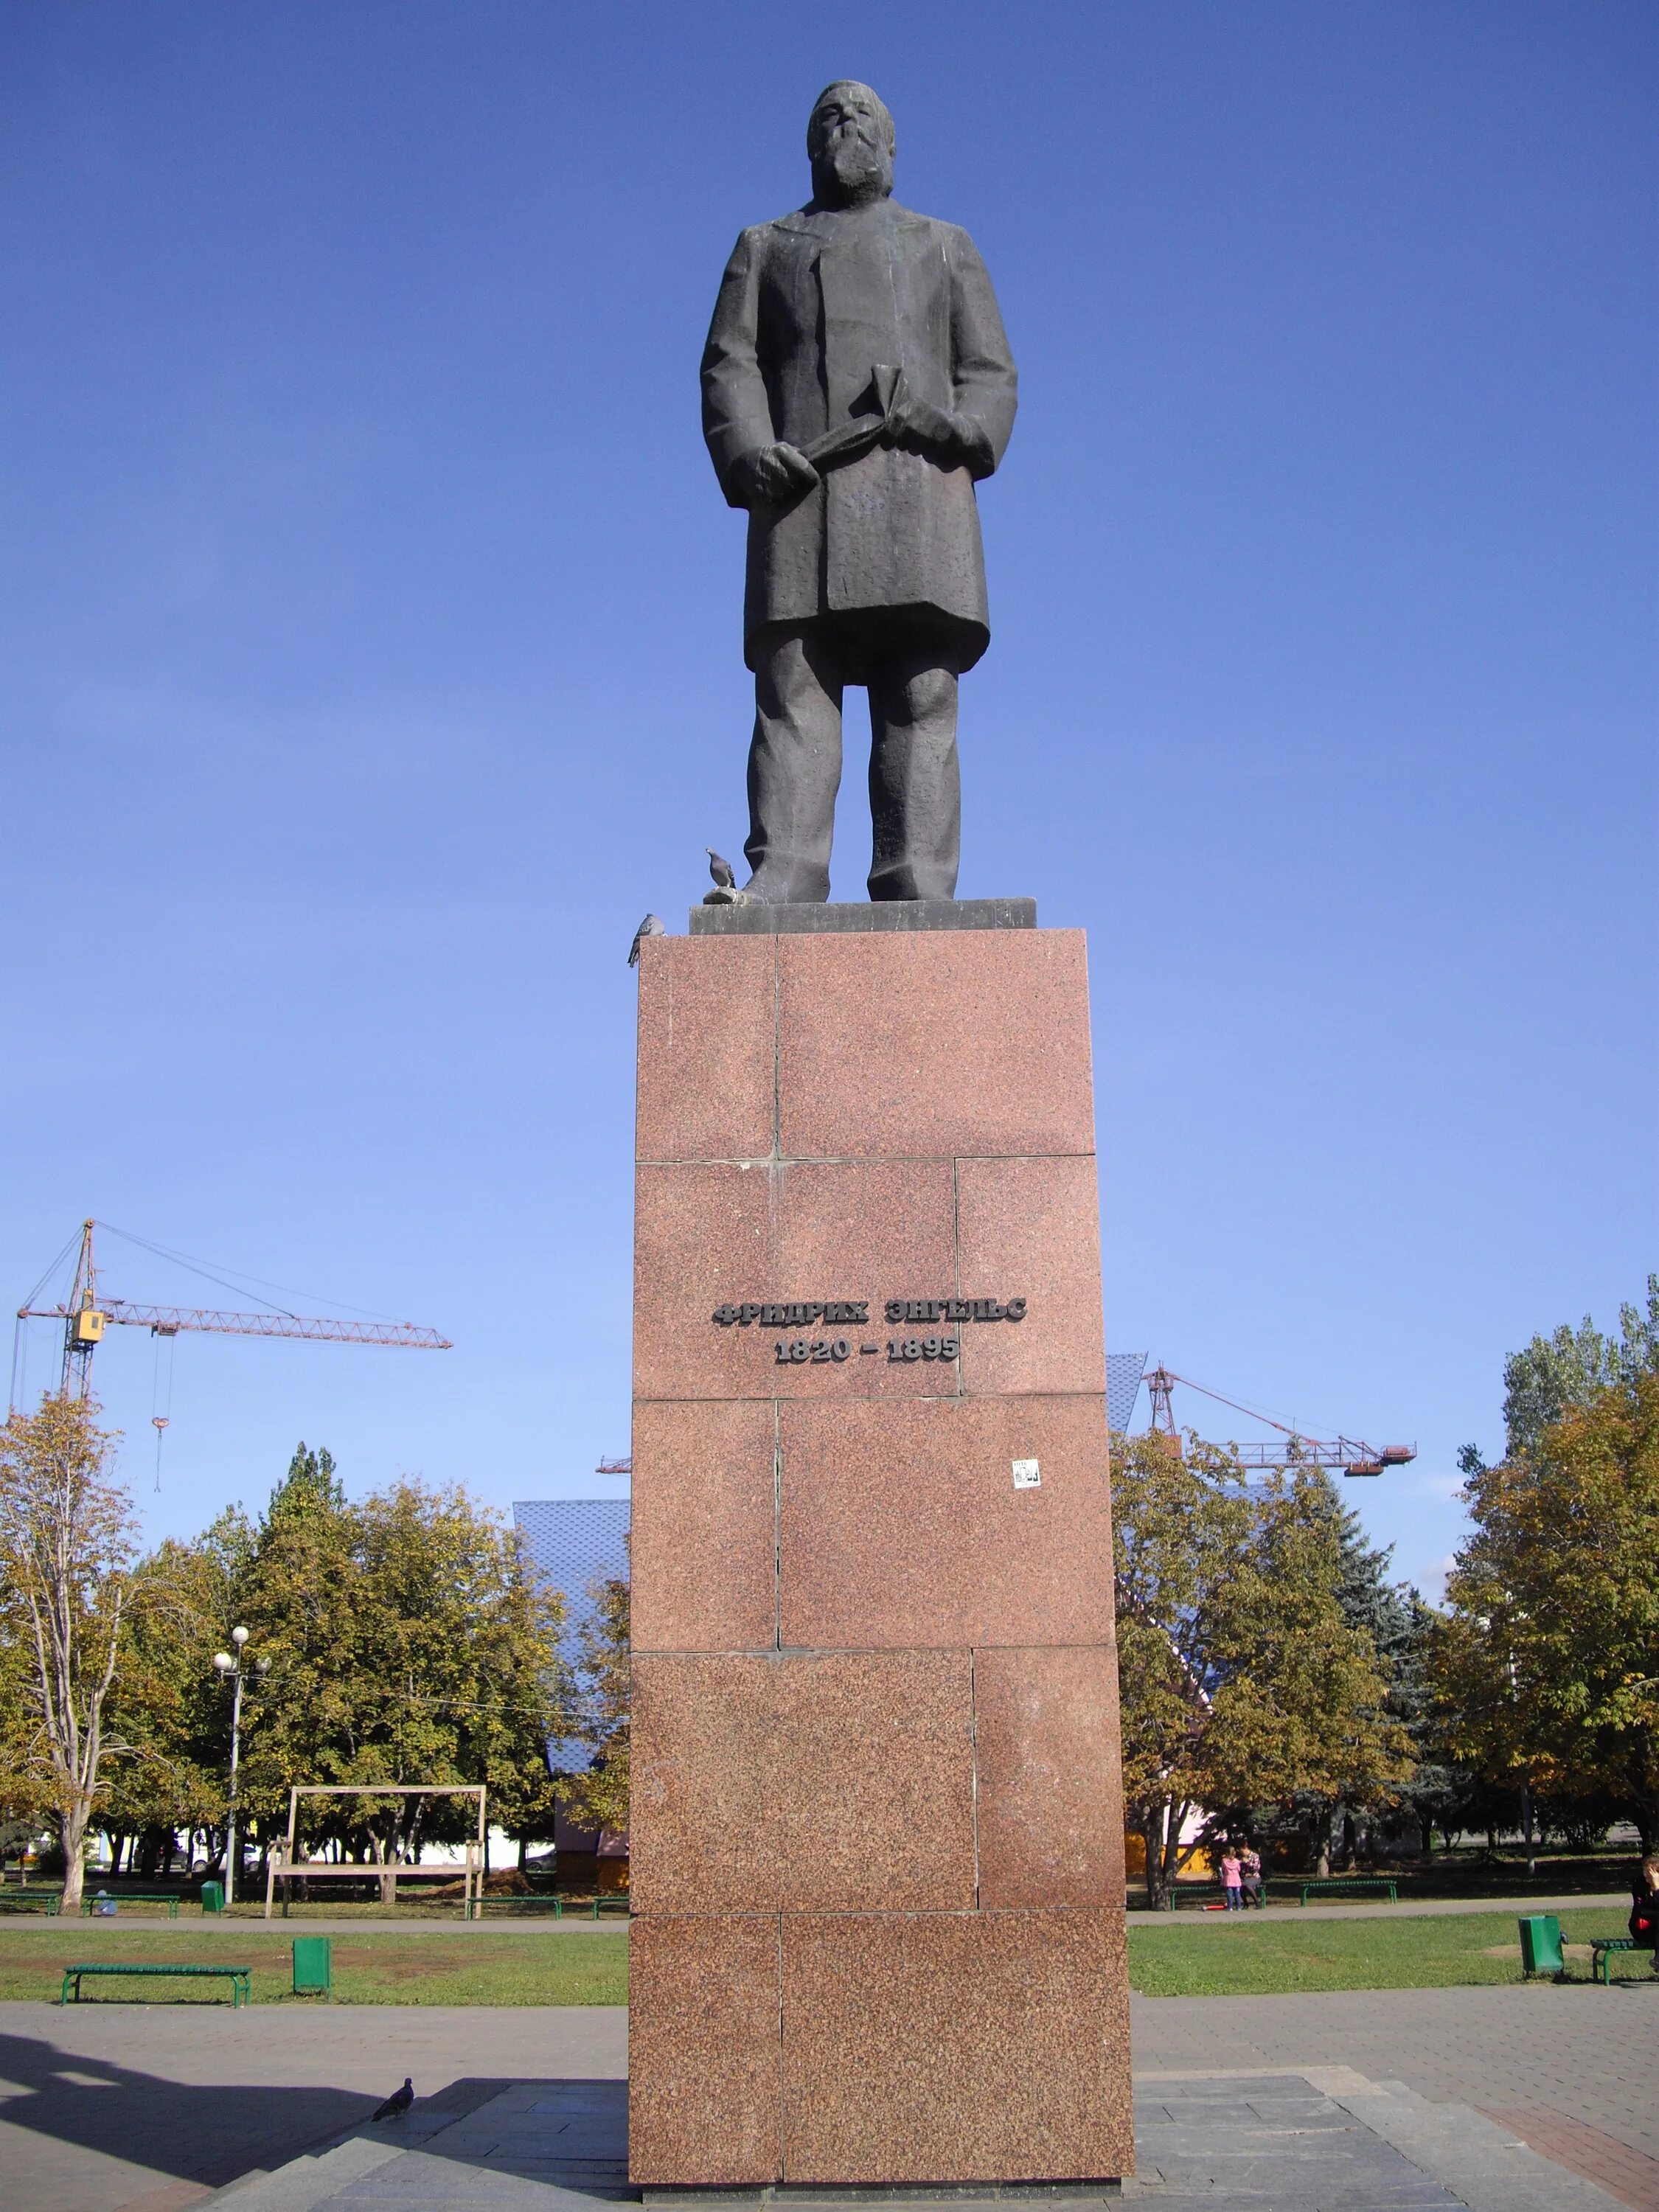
(1231, 1878)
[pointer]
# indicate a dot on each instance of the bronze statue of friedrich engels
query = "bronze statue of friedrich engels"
(855, 385)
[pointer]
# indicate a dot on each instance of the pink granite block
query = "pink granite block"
(900, 1525)
(705, 2055)
(940, 2047)
(710, 1236)
(1032, 1228)
(704, 1536)
(940, 1043)
(706, 1084)
(802, 1781)
(1050, 1794)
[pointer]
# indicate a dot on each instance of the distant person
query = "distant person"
(1250, 1860)
(1232, 1880)
(1644, 1909)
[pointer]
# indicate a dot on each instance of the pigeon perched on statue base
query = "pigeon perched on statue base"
(726, 892)
(652, 926)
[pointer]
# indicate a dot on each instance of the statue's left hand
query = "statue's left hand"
(952, 440)
(916, 422)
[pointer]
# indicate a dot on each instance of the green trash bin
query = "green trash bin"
(1541, 1945)
(213, 1897)
(314, 1965)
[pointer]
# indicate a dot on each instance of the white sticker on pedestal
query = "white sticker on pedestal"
(1026, 1474)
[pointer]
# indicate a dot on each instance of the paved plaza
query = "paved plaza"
(1533, 2100)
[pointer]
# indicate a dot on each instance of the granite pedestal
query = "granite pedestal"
(876, 1834)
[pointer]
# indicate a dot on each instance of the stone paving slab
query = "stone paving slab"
(1277, 2140)
(150, 2107)
(1585, 2051)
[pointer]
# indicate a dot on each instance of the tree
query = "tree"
(408, 1643)
(1242, 1682)
(66, 1545)
(1399, 1624)
(1547, 1663)
(1571, 1368)
(166, 1704)
(599, 1798)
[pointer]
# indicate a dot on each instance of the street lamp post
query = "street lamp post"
(235, 1669)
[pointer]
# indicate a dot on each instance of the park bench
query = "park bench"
(167, 1897)
(30, 1900)
(1208, 1896)
(605, 1897)
(1602, 1951)
(1367, 1882)
(241, 1986)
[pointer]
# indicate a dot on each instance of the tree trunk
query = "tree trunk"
(72, 1833)
(1645, 1812)
(1151, 1838)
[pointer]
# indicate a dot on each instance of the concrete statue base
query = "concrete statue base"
(876, 1835)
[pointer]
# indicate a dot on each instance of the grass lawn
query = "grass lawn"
(1279, 1952)
(468, 1968)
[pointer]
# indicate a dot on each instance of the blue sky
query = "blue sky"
(370, 654)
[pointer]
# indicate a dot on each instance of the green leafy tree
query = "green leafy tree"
(599, 1798)
(1571, 1368)
(1240, 1679)
(66, 1548)
(1398, 1625)
(409, 1643)
(1547, 1664)
(166, 1703)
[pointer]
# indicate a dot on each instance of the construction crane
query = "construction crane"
(1347, 1453)
(86, 1314)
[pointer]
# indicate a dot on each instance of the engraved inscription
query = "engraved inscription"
(804, 1349)
(803, 1313)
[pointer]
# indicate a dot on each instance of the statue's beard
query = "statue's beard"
(851, 171)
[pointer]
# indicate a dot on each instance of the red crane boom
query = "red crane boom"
(1348, 1453)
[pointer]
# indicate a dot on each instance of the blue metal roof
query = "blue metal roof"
(575, 1543)
(1123, 1372)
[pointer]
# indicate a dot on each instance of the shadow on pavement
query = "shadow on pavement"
(199, 2132)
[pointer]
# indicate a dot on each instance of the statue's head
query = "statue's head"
(850, 143)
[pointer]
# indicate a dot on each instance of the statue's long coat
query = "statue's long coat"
(808, 307)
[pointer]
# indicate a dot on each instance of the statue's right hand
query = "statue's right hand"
(771, 475)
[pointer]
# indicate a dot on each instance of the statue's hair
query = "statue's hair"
(851, 84)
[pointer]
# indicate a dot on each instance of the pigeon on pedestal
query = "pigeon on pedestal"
(722, 871)
(652, 926)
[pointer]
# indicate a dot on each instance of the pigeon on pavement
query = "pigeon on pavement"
(397, 2103)
(722, 871)
(652, 926)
